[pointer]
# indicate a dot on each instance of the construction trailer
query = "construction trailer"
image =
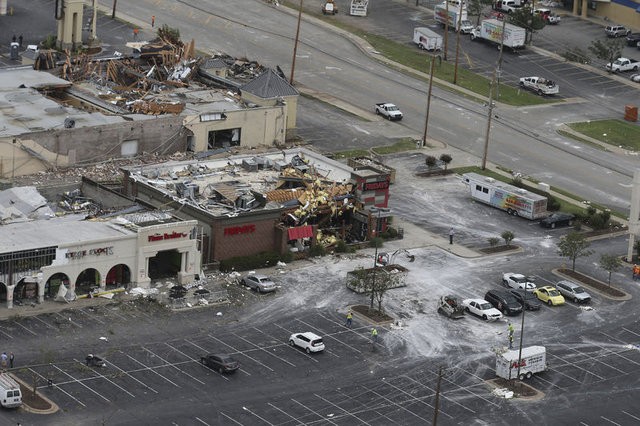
(359, 7)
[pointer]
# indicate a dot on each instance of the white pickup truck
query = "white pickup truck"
(540, 85)
(388, 110)
(623, 64)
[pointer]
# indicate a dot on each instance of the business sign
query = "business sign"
(91, 252)
(374, 186)
(239, 230)
(166, 236)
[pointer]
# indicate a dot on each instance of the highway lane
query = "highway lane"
(328, 62)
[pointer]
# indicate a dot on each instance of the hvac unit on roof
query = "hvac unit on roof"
(187, 189)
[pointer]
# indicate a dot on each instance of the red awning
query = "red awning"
(300, 232)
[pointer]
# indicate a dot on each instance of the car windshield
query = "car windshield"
(554, 293)
(392, 108)
(520, 279)
(578, 290)
(485, 306)
(264, 280)
(227, 360)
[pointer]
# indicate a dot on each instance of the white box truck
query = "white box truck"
(532, 361)
(491, 30)
(427, 39)
(458, 19)
(515, 201)
(10, 395)
(359, 7)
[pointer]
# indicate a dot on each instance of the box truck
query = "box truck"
(10, 396)
(427, 39)
(533, 360)
(458, 19)
(515, 201)
(491, 30)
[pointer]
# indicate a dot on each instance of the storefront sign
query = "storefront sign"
(166, 236)
(238, 230)
(374, 186)
(92, 252)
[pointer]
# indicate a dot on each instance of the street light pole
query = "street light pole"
(375, 262)
(426, 120)
(295, 44)
(524, 309)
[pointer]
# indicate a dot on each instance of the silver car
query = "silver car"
(573, 291)
(260, 283)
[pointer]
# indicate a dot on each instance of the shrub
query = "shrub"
(341, 247)
(553, 205)
(317, 250)
(493, 241)
(446, 159)
(393, 232)
(431, 161)
(591, 211)
(376, 242)
(597, 221)
(507, 236)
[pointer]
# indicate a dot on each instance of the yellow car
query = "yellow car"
(549, 295)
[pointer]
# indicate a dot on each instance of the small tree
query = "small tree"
(610, 263)
(431, 161)
(446, 159)
(507, 236)
(608, 50)
(524, 18)
(493, 241)
(572, 246)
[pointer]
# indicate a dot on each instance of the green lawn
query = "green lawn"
(613, 132)
(405, 144)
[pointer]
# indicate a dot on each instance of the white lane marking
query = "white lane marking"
(264, 350)
(330, 335)
(197, 361)
(27, 329)
(610, 421)
(59, 388)
(95, 371)
(80, 382)
(236, 422)
(152, 369)
(441, 393)
(68, 319)
(111, 363)
(631, 415)
(202, 421)
(254, 414)
(324, 418)
(173, 365)
(241, 353)
(93, 317)
(204, 350)
(420, 399)
(45, 323)
(342, 409)
(284, 412)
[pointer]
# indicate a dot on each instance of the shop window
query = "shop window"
(223, 138)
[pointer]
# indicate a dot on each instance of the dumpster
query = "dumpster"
(631, 113)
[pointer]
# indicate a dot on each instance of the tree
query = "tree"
(474, 8)
(524, 18)
(507, 236)
(610, 263)
(431, 161)
(493, 241)
(446, 159)
(170, 35)
(608, 50)
(574, 245)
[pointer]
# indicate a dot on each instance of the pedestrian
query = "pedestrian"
(374, 335)
(451, 233)
(3, 360)
(20, 40)
(349, 319)
(11, 358)
(510, 329)
(636, 271)
(135, 34)
(511, 341)
(13, 39)
(153, 21)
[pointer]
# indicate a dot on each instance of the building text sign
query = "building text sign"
(91, 252)
(374, 186)
(167, 236)
(239, 230)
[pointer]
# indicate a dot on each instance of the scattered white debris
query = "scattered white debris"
(586, 308)
(107, 295)
(203, 302)
(281, 265)
(189, 305)
(234, 274)
(330, 415)
(104, 338)
(219, 314)
(503, 393)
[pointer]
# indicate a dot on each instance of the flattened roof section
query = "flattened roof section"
(269, 85)
(23, 203)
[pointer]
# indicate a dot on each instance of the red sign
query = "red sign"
(373, 186)
(523, 363)
(165, 236)
(238, 230)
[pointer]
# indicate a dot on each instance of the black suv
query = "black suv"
(503, 301)
(222, 363)
(527, 299)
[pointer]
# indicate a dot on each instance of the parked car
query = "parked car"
(260, 283)
(573, 291)
(220, 362)
(481, 308)
(517, 281)
(635, 77)
(633, 39)
(528, 300)
(308, 341)
(557, 219)
(549, 295)
(616, 31)
(503, 301)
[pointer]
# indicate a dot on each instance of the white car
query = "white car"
(308, 341)
(517, 281)
(635, 77)
(481, 308)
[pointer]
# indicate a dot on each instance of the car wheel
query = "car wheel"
(570, 223)
(308, 350)
(553, 226)
(509, 211)
(377, 111)
(505, 283)
(549, 302)
(540, 92)
(522, 376)
(529, 374)
(467, 310)
(576, 300)
(521, 84)
(515, 212)
(291, 343)
(202, 361)
(484, 317)
(220, 370)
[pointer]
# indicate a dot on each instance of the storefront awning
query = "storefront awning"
(300, 232)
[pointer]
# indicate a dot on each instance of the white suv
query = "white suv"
(308, 341)
(616, 31)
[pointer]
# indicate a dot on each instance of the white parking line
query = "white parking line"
(631, 415)
(330, 335)
(347, 413)
(241, 353)
(441, 393)
(297, 351)
(45, 323)
(206, 351)
(254, 414)
(570, 364)
(264, 350)
(197, 361)
(392, 403)
(68, 319)
(610, 421)
(314, 412)
(8, 335)
(108, 380)
(139, 381)
(238, 423)
(93, 317)
(284, 412)
(79, 382)
(202, 421)
(367, 409)
(172, 365)
(595, 358)
(616, 353)
(419, 399)
(59, 388)
(630, 331)
(149, 369)
(26, 328)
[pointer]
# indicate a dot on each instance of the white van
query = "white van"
(10, 395)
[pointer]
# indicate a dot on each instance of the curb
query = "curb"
(627, 296)
(54, 407)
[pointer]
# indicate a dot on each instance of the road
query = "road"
(329, 63)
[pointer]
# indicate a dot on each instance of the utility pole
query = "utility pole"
(426, 120)
(491, 87)
(455, 68)
(436, 404)
(524, 309)
(295, 44)
(113, 11)
(374, 233)
(446, 30)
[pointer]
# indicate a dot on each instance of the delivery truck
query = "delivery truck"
(427, 39)
(515, 201)
(511, 364)
(458, 19)
(10, 396)
(491, 31)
